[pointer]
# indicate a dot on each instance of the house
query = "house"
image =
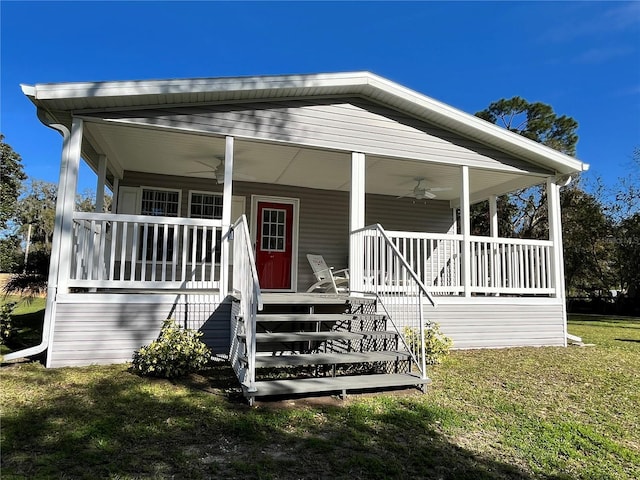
(222, 186)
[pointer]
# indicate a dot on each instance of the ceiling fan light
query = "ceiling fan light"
(220, 174)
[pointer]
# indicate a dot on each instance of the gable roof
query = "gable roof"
(119, 95)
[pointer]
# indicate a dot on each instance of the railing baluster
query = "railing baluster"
(123, 250)
(101, 250)
(174, 253)
(165, 236)
(154, 252)
(145, 244)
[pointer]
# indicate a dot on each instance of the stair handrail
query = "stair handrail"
(422, 293)
(247, 284)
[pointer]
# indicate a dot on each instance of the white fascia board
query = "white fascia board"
(476, 127)
(53, 91)
(28, 90)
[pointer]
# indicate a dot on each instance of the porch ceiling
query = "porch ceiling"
(187, 154)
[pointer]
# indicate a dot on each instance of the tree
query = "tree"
(11, 178)
(586, 230)
(37, 208)
(526, 210)
(536, 121)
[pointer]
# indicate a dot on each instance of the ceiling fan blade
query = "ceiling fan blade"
(428, 195)
(439, 189)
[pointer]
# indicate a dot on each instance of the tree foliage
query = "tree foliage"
(11, 177)
(536, 121)
(524, 213)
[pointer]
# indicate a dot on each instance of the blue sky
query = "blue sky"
(583, 58)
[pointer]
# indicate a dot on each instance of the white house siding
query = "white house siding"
(323, 216)
(490, 322)
(346, 124)
(96, 328)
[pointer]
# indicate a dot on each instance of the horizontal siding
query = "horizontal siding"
(473, 324)
(323, 216)
(104, 332)
(341, 124)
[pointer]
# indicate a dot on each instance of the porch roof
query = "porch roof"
(86, 97)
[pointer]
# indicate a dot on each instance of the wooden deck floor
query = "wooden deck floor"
(303, 298)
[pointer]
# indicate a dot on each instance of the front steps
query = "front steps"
(328, 347)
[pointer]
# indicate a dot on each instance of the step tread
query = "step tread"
(332, 384)
(302, 317)
(315, 317)
(315, 336)
(329, 358)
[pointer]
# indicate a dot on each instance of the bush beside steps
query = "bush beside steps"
(175, 353)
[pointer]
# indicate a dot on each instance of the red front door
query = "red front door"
(274, 245)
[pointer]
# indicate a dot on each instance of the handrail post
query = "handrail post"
(422, 343)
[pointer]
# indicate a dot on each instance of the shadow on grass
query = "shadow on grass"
(124, 426)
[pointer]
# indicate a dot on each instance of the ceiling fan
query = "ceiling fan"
(422, 191)
(217, 169)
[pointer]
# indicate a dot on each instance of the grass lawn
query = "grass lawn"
(27, 317)
(551, 413)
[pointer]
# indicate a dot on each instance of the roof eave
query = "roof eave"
(358, 83)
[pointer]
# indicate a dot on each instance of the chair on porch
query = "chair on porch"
(327, 280)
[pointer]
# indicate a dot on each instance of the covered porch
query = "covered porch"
(337, 195)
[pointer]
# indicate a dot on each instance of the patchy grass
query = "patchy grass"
(495, 414)
(27, 319)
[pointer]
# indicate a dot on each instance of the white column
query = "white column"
(66, 202)
(116, 192)
(493, 215)
(102, 175)
(356, 218)
(227, 199)
(465, 230)
(555, 235)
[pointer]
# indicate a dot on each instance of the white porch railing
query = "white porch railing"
(247, 287)
(497, 265)
(378, 267)
(138, 251)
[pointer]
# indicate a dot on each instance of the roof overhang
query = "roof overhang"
(119, 95)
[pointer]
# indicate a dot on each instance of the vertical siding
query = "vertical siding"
(323, 216)
(108, 328)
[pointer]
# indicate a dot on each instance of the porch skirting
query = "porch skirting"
(106, 328)
(103, 328)
(496, 322)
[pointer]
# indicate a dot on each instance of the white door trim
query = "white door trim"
(294, 244)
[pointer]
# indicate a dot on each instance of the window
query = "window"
(273, 228)
(206, 205)
(158, 203)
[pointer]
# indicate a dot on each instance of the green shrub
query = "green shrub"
(175, 353)
(6, 326)
(436, 344)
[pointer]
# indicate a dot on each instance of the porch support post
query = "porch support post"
(66, 202)
(116, 192)
(493, 216)
(555, 235)
(102, 174)
(356, 219)
(227, 199)
(465, 230)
